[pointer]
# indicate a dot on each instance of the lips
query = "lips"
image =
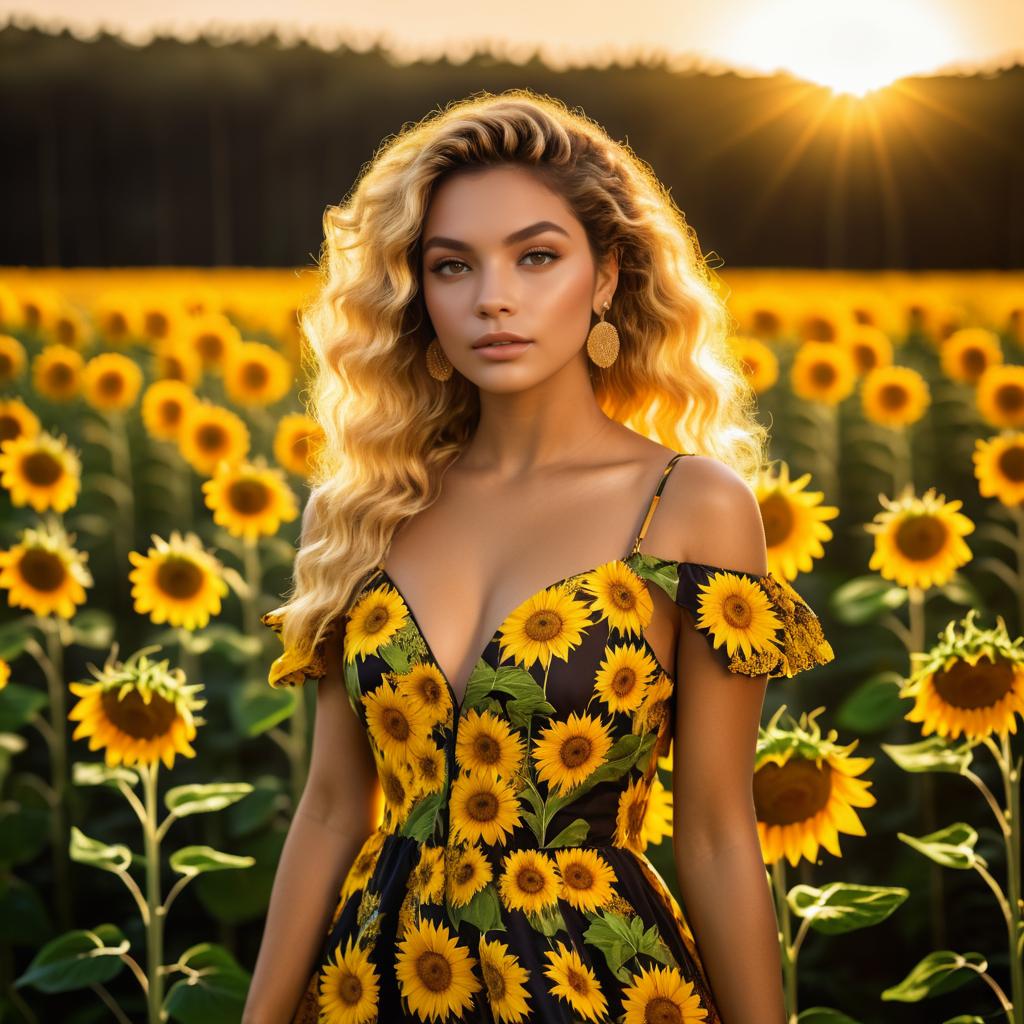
(497, 337)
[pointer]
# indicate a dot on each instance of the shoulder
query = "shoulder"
(712, 516)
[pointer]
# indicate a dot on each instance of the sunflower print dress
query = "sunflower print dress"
(507, 880)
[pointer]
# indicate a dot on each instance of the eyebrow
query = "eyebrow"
(516, 236)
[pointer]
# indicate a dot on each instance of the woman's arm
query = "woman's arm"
(721, 871)
(332, 820)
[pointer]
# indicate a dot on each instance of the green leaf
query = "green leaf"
(13, 636)
(96, 773)
(843, 906)
(823, 1015)
(77, 959)
(624, 754)
(213, 990)
(483, 911)
(114, 857)
(937, 973)
(420, 823)
(194, 860)
(93, 628)
(864, 599)
(19, 705)
(24, 832)
(572, 835)
(952, 846)
(621, 939)
(934, 754)
(24, 918)
(256, 707)
(874, 705)
(201, 798)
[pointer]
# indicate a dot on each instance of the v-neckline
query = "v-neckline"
(457, 702)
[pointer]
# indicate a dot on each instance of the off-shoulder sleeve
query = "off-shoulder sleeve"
(289, 669)
(755, 624)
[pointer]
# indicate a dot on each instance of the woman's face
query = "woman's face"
(503, 253)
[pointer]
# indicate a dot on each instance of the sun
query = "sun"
(851, 46)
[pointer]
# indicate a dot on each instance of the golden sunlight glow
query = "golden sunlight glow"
(851, 46)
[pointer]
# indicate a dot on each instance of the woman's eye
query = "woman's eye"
(552, 256)
(540, 252)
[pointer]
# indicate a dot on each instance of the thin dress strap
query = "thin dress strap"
(654, 501)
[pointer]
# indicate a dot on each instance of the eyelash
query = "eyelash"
(530, 252)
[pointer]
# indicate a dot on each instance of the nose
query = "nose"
(496, 296)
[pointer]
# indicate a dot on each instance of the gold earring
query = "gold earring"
(603, 341)
(439, 366)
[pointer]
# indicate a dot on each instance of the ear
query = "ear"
(606, 281)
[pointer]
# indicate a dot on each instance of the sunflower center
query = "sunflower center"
(117, 324)
(393, 788)
(210, 346)
(576, 751)
(110, 384)
(777, 514)
(429, 689)
(10, 427)
(578, 876)
(156, 324)
(893, 396)
(180, 578)
(736, 612)
(434, 971)
(577, 981)
(427, 767)
(636, 814)
(249, 497)
(530, 880)
(974, 686)
(300, 446)
(823, 374)
(464, 873)
(486, 749)
(623, 598)
(543, 625)
(171, 410)
(43, 571)
(350, 989)
(42, 469)
(921, 537)
(1011, 463)
(6, 365)
(377, 619)
(134, 717)
(212, 437)
(396, 724)
(59, 374)
(1010, 398)
(660, 1010)
(482, 806)
(255, 375)
(974, 361)
(494, 980)
(793, 792)
(624, 681)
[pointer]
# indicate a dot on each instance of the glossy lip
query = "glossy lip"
(498, 353)
(486, 339)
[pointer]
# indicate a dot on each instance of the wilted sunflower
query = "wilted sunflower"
(12, 359)
(250, 499)
(759, 362)
(894, 396)
(177, 581)
(870, 347)
(1000, 396)
(297, 440)
(17, 420)
(212, 337)
(999, 467)
(111, 382)
(57, 373)
(919, 541)
(44, 573)
(256, 374)
(435, 972)
(172, 361)
(971, 682)
(794, 521)
(967, 353)
(806, 788)
(41, 471)
(164, 404)
(823, 372)
(575, 982)
(210, 433)
(137, 710)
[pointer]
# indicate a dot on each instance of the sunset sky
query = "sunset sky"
(851, 45)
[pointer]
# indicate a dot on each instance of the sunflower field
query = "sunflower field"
(155, 454)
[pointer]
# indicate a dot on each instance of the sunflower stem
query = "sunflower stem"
(1018, 518)
(121, 467)
(155, 924)
(789, 952)
(1011, 783)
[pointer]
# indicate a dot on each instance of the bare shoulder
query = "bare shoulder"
(710, 514)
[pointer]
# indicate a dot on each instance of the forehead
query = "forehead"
(481, 203)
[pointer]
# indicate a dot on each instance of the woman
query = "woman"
(511, 307)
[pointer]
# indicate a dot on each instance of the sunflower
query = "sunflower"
(588, 880)
(794, 520)
(39, 306)
(529, 881)
(483, 809)
(870, 347)
(111, 382)
(999, 467)
(504, 982)
(805, 789)
(435, 971)
(5, 673)
(44, 573)
(894, 396)
(919, 541)
(373, 621)
(825, 322)
(137, 710)
(164, 404)
(967, 353)
(172, 361)
(468, 870)
(629, 818)
(349, 986)
(547, 625)
(177, 581)
(12, 359)
(823, 372)
(737, 612)
(116, 318)
(70, 328)
(256, 374)
(424, 686)
(297, 441)
(11, 313)
(161, 318)
(620, 596)
(363, 866)
(655, 707)
(622, 679)
(1000, 396)
(487, 745)
(250, 499)
(57, 373)
(569, 752)
(758, 362)
(210, 433)
(758, 313)
(398, 784)
(428, 876)
(396, 725)
(41, 471)
(971, 682)
(662, 993)
(428, 764)
(17, 420)
(211, 337)
(657, 824)
(575, 982)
